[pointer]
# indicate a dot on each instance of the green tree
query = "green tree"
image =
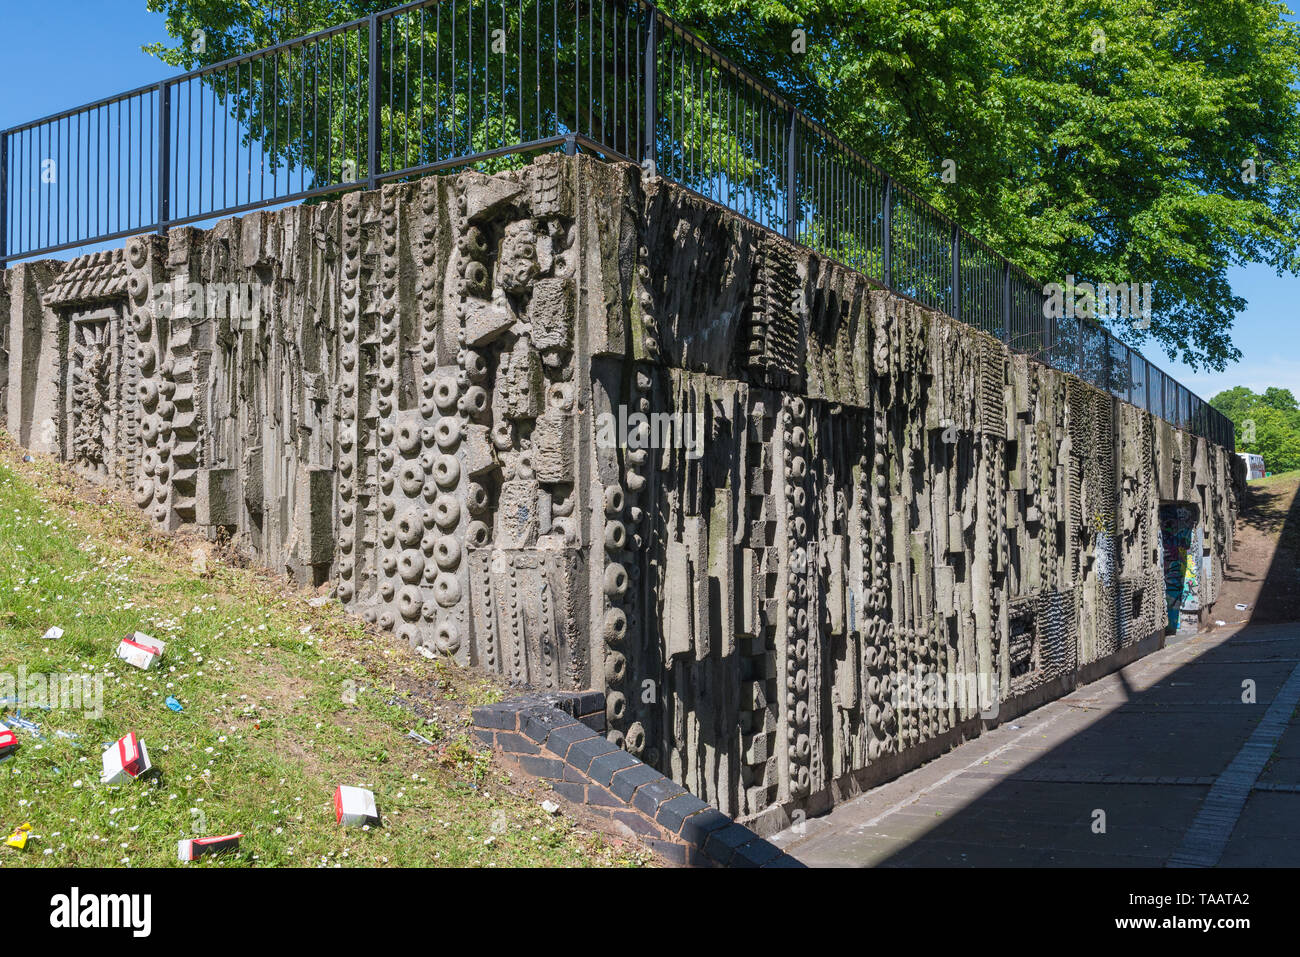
(1112, 140)
(1280, 399)
(1277, 438)
(1235, 403)
(1267, 424)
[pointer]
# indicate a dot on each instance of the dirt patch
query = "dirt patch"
(1262, 572)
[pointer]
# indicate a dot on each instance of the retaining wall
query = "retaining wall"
(867, 531)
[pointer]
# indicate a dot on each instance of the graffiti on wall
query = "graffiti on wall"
(1177, 534)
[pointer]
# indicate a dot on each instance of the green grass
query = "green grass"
(282, 703)
(1279, 478)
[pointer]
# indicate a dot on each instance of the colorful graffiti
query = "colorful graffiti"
(1177, 536)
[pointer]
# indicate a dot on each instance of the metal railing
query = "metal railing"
(440, 84)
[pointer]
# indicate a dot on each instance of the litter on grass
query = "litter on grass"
(354, 807)
(125, 760)
(174, 704)
(8, 743)
(54, 634)
(141, 650)
(17, 720)
(18, 838)
(194, 848)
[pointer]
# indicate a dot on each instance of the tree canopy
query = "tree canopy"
(1117, 141)
(1267, 424)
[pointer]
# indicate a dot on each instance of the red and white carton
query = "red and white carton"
(8, 743)
(194, 848)
(125, 760)
(141, 650)
(354, 806)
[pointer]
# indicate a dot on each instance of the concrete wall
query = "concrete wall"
(873, 530)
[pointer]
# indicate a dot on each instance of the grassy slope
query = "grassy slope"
(266, 733)
(1279, 478)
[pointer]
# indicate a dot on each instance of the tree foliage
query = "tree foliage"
(1267, 424)
(1111, 140)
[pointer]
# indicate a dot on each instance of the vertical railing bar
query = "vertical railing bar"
(372, 126)
(1006, 303)
(4, 198)
(651, 71)
(887, 234)
(791, 173)
(956, 273)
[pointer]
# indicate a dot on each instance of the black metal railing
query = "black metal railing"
(439, 84)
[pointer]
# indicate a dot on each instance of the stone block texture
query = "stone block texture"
(584, 429)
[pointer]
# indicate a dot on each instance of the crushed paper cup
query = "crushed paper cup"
(354, 807)
(194, 848)
(125, 760)
(141, 650)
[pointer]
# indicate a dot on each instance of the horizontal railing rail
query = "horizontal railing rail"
(441, 84)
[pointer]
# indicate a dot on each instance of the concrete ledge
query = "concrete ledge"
(560, 738)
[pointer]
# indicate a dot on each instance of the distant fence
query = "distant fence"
(440, 84)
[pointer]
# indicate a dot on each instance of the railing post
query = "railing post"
(164, 156)
(649, 154)
(1006, 302)
(4, 198)
(372, 129)
(887, 253)
(1078, 346)
(956, 272)
(1107, 370)
(791, 173)
(1049, 330)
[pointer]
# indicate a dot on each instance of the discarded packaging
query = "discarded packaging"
(54, 634)
(194, 848)
(354, 806)
(31, 727)
(141, 650)
(1241, 606)
(419, 737)
(8, 743)
(126, 759)
(18, 838)
(174, 704)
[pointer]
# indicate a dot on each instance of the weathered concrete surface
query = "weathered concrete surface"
(849, 533)
(1145, 747)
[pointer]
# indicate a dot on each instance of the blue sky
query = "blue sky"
(75, 51)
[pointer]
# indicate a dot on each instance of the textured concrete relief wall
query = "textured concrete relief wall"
(586, 430)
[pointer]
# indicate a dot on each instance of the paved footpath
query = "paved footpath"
(1164, 753)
